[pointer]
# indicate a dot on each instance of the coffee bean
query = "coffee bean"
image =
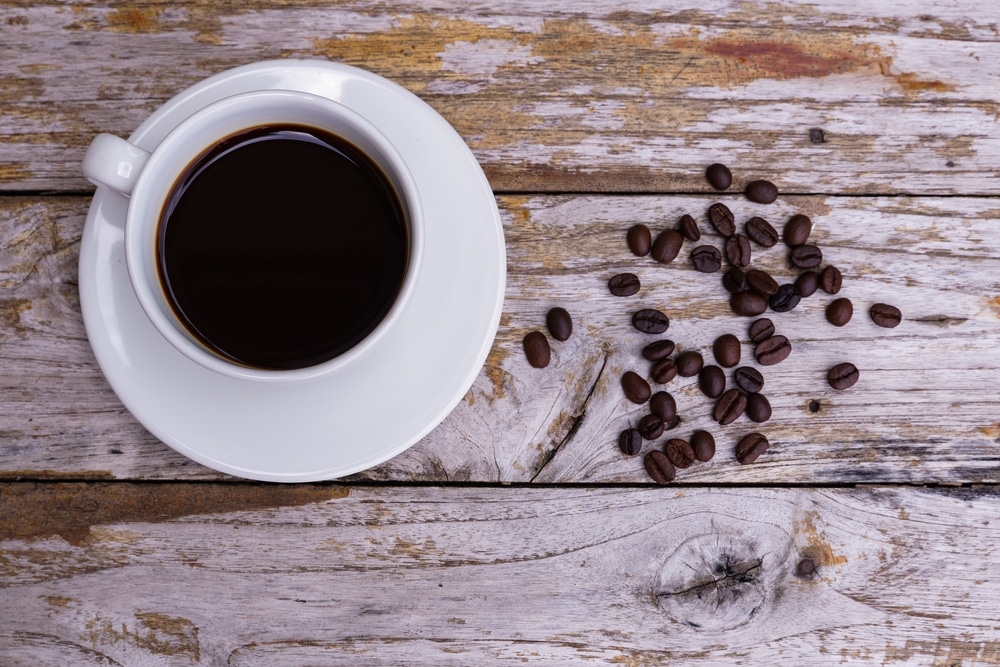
(761, 232)
(786, 298)
(636, 389)
(730, 406)
(747, 303)
(688, 228)
(885, 315)
(661, 349)
(659, 467)
(805, 256)
(727, 350)
(624, 284)
(662, 404)
(666, 246)
(843, 376)
(639, 240)
(772, 350)
(839, 312)
(536, 349)
(650, 321)
(761, 329)
(651, 427)
(831, 279)
(680, 453)
(663, 371)
(807, 284)
(560, 324)
(750, 447)
(703, 444)
(689, 363)
(706, 259)
(749, 379)
(761, 282)
(797, 230)
(630, 441)
(738, 250)
(734, 280)
(722, 219)
(719, 176)
(758, 408)
(762, 192)
(712, 381)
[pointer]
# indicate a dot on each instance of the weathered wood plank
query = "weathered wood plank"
(185, 574)
(925, 410)
(596, 96)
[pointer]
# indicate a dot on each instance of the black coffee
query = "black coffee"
(282, 247)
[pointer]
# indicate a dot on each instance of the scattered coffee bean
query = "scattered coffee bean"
(748, 303)
(706, 259)
(719, 176)
(885, 315)
(730, 406)
(688, 228)
(807, 284)
(786, 298)
(738, 250)
(560, 324)
(722, 219)
(662, 404)
(761, 192)
(636, 389)
(661, 349)
(651, 427)
(703, 444)
(750, 447)
(749, 379)
(831, 279)
(650, 321)
(712, 381)
(797, 230)
(772, 350)
(536, 349)
(839, 312)
(666, 246)
(758, 408)
(659, 467)
(805, 256)
(726, 349)
(689, 363)
(761, 329)
(663, 371)
(624, 284)
(630, 441)
(761, 232)
(734, 280)
(680, 453)
(639, 240)
(761, 282)
(843, 376)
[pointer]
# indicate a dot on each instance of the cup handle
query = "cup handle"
(114, 163)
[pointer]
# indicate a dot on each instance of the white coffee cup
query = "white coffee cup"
(147, 179)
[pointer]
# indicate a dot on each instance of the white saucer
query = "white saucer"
(372, 409)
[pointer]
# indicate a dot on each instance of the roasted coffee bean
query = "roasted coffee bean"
(706, 259)
(750, 447)
(758, 408)
(650, 321)
(748, 379)
(662, 405)
(689, 363)
(666, 246)
(734, 280)
(672, 424)
(659, 467)
(885, 315)
(805, 256)
(730, 406)
(761, 282)
(661, 349)
(651, 427)
(636, 389)
(761, 329)
(831, 279)
(703, 444)
(839, 312)
(639, 240)
(797, 230)
(807, 284)
(843, 376)
(712, 381)
(536, 349)
(722, 219)
(680, 453)
(624, 284)
(761, 232)
(762, 192)
(726, 349)
(688, 228)
(786, 298)
(559, 322)
(747, 303)
(663, 371)
(738, 250)
(630, 441)
(772, 350)
(719, 176)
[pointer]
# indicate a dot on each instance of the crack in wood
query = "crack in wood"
(730, 574)
(942, 320)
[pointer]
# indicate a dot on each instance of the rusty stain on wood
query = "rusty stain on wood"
(135, 19)
(157, 633)
(946, 651)
(11, 310)
(817, 547)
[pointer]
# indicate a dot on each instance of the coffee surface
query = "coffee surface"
(282, 247)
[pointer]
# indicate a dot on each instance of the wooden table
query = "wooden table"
(517, 531)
